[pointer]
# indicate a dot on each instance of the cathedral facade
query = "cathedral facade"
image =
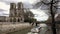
(16, 13)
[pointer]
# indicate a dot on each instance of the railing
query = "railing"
(6, 23)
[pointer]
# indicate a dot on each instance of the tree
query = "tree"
(29, 16)
(52, 7)
(49, 21)
(30, 20)
(28, 13)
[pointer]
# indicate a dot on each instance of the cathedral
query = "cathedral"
(16, 13)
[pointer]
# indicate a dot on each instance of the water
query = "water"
(43, 29)
(24, 31)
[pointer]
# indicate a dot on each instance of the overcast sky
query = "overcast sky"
(4, 8)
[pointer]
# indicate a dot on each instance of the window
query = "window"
(18, 20)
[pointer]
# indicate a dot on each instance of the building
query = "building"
(16, 13)
(2, 18)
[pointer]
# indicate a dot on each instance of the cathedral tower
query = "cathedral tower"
(20, 11)
(16, 12)
(12, 9)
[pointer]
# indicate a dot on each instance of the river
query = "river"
(43, 29)
(24, 31)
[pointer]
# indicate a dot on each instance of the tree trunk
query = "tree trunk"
(53, 20)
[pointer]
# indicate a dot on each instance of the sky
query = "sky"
(40, 15)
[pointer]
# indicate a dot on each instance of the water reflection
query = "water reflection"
(40, 29)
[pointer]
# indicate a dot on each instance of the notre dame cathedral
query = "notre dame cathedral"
(16, 13)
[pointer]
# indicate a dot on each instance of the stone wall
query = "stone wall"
(6, 23)
(13, 27)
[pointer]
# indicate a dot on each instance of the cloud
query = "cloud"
(4, 8)
(15, 1)
(4, 5)
(27, 3)
(41, 15)
(1, 10)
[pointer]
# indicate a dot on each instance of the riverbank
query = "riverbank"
(23, 31)
(13, 27)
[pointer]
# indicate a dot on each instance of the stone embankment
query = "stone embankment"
(13, 27)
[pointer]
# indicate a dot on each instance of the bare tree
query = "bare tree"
(50, 5)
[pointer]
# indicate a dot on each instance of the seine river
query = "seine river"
(24, 31)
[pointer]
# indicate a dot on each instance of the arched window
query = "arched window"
(10, 19)
(14, 19)
(21, 19)
(18, 20)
